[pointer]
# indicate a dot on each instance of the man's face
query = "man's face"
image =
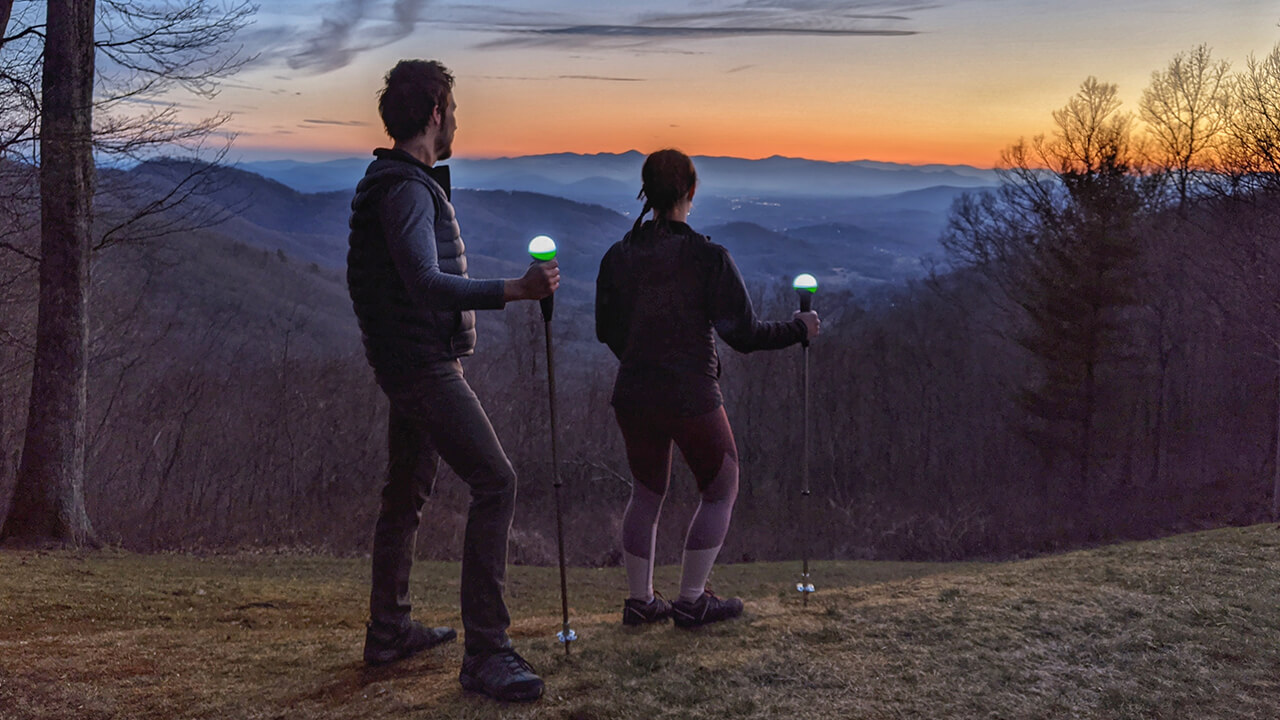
(448, 125)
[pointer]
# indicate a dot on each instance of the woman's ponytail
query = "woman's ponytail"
(667, 176)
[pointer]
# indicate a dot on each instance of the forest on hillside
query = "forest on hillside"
(1098, 359)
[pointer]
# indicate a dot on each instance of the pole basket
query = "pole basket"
(566, 637)
(804, 586)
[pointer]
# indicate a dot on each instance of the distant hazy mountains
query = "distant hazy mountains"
(853, 224)
(613, 180)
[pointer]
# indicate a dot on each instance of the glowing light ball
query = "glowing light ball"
(542, 248)
(805, 281)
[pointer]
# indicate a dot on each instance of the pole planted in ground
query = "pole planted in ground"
(806, 286)
(543, 249)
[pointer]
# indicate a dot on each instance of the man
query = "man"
(407, 274)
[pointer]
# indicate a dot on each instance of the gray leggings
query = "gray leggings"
(434, 415)
(706, 441)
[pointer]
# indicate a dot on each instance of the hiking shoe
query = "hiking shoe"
(383, 645)
(639, 612)
(500, 674)
(706, 609)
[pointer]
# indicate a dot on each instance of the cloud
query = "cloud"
(601, 77)
(404, 16)
(344, 123)
(751, 18)
(349, 28)
(157, 102)
(660, 32)
(328, 48)
(352, 27)
(530, 78)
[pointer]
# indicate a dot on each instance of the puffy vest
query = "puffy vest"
(399, 335)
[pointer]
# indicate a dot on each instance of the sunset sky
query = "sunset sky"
(952, 81)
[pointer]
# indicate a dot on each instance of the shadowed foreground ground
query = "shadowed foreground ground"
(1187, 627)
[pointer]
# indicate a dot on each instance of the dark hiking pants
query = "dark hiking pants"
(434, 415)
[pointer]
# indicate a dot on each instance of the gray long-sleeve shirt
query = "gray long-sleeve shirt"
(407, 214)
(407, 268)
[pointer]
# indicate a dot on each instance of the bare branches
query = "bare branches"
(37, 30)
(1090, 130)
(155, 131)
(153, 207)
(10, 247)
(1186, 109)
(19, 86)
(147, 48)
(1254, 126)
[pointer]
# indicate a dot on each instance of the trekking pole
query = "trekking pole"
(805, 286)
(543, 248)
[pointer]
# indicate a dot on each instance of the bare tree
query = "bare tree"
(48, 503)
(1254, 128)
(1059, 245)
(6, 9)
(146, 48)
(1254, 124)
(1186, 109)
(19, 103)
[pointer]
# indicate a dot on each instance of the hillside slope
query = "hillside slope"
(1178, 628)
(852, 242)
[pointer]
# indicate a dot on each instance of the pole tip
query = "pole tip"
(542, 248)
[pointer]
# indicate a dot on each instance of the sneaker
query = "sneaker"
(500, 674)
(706, 609)
(383, 645)
(639, 612)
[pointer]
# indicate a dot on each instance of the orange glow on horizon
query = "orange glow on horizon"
(967, 82)
(904, 151)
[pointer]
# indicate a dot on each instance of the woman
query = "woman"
(660, 292)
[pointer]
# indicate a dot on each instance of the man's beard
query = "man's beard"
(444, 148)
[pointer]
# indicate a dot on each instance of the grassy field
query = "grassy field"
(1186, 627)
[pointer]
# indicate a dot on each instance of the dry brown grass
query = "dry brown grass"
(1185, 627)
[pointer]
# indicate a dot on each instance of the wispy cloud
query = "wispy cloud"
(344, 123)
(601, 78)
(352, 27)
(349, 28)
(329, 47)
(740, 19)
(559, 35)
(530, 78)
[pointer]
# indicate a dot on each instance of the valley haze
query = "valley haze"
(850, 223)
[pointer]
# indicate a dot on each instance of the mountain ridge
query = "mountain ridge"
(720, 175)
(848, 243)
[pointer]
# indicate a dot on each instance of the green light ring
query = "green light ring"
(542, 248)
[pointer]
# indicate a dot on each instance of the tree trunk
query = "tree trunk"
(6, 9)
(48, 503)
(1275, 470)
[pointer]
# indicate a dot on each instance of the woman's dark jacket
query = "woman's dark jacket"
(660, 292)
